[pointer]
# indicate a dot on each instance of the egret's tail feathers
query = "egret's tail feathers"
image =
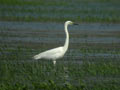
(36, 57)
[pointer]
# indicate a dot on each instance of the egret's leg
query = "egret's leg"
(54, 62)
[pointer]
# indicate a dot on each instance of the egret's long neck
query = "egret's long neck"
(67, 38)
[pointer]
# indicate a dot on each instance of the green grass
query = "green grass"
(18, 71)
(43, 75)
(59, 11)
(60, 19)
(54, 2)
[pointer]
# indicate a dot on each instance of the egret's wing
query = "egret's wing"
(49, 53)
(53, 51)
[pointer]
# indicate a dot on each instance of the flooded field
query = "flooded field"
(43, 36)
(28, 27)
(93, 55)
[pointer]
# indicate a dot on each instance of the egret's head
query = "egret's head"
(70, 23)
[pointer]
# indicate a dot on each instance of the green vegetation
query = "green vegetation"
(58, 11)
(42, 75)
(18, 71)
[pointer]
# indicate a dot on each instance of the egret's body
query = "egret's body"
(58, 52)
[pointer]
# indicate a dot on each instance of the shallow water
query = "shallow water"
(39, 32)
(53, 33)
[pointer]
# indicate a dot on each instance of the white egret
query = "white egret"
(58, 52)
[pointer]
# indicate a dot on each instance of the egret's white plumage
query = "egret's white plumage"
(58, 52)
